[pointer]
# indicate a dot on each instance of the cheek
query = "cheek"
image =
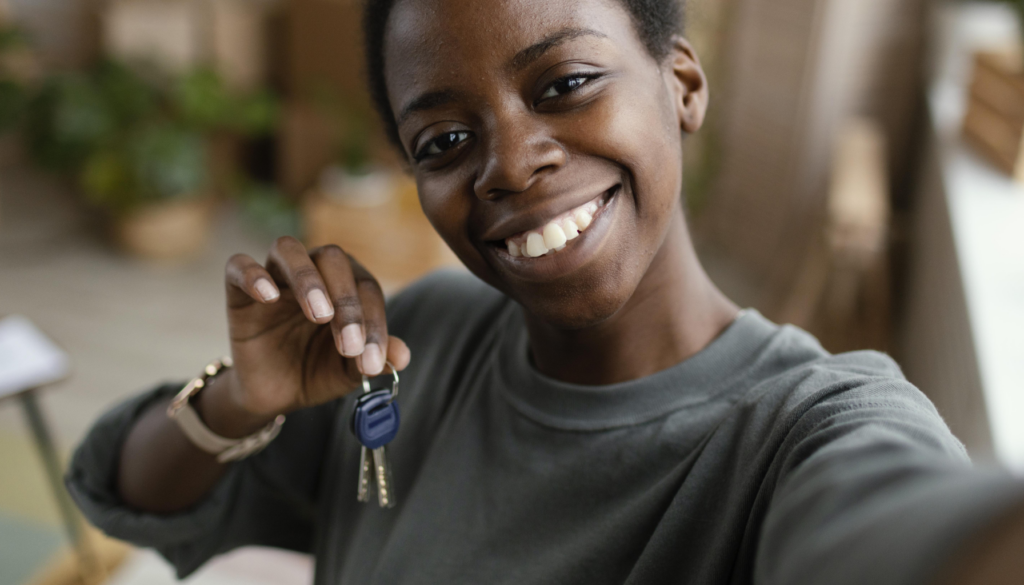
(448, 209)
(640, 134)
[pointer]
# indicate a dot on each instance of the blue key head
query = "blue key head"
(375, 419)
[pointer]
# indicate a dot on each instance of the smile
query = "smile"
(557, 232)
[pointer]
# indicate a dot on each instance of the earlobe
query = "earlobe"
(688, 83)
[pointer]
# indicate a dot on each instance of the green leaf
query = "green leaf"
(107, 181)
(13, 99)
(128, 96)
(168, 161)
(65, 121)
(202, 101)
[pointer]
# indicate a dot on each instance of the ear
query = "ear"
(688, 84)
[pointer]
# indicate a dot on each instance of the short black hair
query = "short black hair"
(656, 22)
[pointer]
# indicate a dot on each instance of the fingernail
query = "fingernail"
(373, 360)
(352, 341)
(318, 303)
(267, 291)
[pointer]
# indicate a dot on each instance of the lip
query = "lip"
(577, 253)
(536, 218)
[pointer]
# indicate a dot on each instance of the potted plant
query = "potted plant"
(139, 145)
(353, 180)
(153, 180)
(994, 121)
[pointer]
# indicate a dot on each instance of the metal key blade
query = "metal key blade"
(365, 475)
(385, 487)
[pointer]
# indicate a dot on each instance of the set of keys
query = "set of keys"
(375, 424)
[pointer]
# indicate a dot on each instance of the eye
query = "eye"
(567, 85)
(441, 144)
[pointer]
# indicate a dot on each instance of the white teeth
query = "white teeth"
(583, 219)
(554, 237)
(570, 228)
(513, 249)
(535, 245)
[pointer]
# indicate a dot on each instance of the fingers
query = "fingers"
(398, 353)
(347, 324)
(289, 262)
(333, 288)
(359, 324)
(371, 298)
(248, 281)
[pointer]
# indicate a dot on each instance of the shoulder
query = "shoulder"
(805, 395)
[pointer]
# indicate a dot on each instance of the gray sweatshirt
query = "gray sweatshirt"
(762, 459)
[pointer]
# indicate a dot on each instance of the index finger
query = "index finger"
(290, 263)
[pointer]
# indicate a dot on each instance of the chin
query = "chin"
(581, 304)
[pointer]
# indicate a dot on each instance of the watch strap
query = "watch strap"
(201, 436)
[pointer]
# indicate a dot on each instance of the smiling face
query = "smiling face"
(528, 120)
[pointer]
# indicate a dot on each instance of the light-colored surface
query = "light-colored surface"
(27, 358)
(248, 566)
(986, 215)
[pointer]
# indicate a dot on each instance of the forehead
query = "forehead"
(428, 41)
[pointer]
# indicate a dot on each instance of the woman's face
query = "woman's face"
(521, 115)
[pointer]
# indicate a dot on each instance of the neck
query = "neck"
(674, 313)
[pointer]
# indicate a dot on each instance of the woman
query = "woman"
(589, 408)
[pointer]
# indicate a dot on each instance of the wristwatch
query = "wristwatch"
(192, 425)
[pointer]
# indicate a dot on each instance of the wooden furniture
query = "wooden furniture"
(994, 122)
(394, 241)
(795, 70)
(842, 291)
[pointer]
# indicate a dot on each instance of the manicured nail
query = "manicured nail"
(268, 292)
(373, 360)
(318, 303)
(352, 341)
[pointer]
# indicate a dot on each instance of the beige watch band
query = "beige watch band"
(225, 449)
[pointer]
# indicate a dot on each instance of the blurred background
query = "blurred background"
(859, 176)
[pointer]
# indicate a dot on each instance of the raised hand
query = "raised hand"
(304, 328)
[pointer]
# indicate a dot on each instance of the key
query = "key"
(365, 461)
(385, 499)
(375, 422)
(365, 475)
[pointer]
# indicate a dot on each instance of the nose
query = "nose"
(518, 151)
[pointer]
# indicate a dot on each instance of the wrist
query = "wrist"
(222, 413)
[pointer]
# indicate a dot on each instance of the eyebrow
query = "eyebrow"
(520, 61)
(530, 54)
(426, 101)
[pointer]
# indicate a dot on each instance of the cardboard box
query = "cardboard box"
(994, 122)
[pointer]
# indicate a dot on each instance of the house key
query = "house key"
(375, 422)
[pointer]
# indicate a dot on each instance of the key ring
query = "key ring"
(394, 383)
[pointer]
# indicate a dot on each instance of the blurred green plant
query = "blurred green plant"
(133, 137)
(266, 209)
(14, 93)
(157, 161)
(205, 104)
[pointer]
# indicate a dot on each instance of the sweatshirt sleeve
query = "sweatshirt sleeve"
(268, 499)
(874, 489)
